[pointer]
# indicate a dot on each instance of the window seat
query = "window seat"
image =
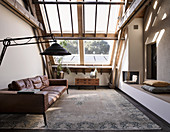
(157, 103)
(165, 97)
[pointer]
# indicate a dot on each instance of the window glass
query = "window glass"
(72, 47)
(65, 17)
(114, 13)
(89, 17)
(97, 51)
(102, 17)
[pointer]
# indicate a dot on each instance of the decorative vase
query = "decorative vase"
(92, 74)
(95, 72)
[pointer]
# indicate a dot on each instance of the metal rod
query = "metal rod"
(78, 2)
(21, 44)
(3, 53)
(84, 20)
(5, 46)
(22, 38)
(61, 38)
(108, 20)
(59, 19)
(95, 20)
(71, 20)
(47, 17)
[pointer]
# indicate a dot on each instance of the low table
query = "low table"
(87, 82)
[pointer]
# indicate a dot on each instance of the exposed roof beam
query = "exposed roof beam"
(84, 38)
(80, 23)
(20, 11)
(78, 2)
(86, 35)
(131, 12)
(59, 19)
(71, 20)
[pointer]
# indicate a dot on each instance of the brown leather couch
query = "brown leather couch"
(37, 103)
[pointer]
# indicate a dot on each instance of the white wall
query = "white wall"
(103, 78)
(132, 60)
(136, 47)
(21, 61)
(159, 23)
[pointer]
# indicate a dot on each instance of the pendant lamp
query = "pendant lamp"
(55, 49)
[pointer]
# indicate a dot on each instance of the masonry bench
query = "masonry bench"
(157, 103)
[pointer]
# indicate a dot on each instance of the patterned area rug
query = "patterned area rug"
(99, 109)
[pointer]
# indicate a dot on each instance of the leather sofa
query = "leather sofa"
(37, 103)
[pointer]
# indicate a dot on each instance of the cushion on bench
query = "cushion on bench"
(156, 89)
(156, 83)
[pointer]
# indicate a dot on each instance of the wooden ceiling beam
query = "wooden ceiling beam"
(80, 23)
(79, 2)
(21, 12)
(86, 35)
(82, 38)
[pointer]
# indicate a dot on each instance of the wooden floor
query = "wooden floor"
(163, 124)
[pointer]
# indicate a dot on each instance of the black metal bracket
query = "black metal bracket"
(6, 43)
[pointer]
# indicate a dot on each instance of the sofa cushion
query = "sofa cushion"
(18, 85)
(51, 99)
(37, 83)
(28, 83)
(59, 89)
(45, 80)
(54, 94)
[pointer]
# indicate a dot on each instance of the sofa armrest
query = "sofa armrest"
(11, 102)
(58, 82)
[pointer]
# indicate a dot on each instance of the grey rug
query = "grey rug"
(99, 109)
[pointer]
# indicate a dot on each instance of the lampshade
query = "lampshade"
(55, 49)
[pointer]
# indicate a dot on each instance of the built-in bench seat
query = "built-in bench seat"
(157, 103)
(165, 97)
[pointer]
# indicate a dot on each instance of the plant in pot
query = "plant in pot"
(60, 72)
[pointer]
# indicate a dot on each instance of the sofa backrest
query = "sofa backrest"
(37, 82)
(45, 80)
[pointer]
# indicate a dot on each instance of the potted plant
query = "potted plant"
(60, 72)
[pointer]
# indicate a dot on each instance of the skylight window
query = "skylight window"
(72, 47)
(73, 20)
(98, 51)
(63, 18)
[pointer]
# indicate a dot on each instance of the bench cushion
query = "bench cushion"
(156, 89)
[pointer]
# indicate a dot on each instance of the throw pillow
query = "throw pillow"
(156, 83)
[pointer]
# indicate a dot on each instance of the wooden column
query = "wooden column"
(80, 29)
(81, 49)
(119, 44)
